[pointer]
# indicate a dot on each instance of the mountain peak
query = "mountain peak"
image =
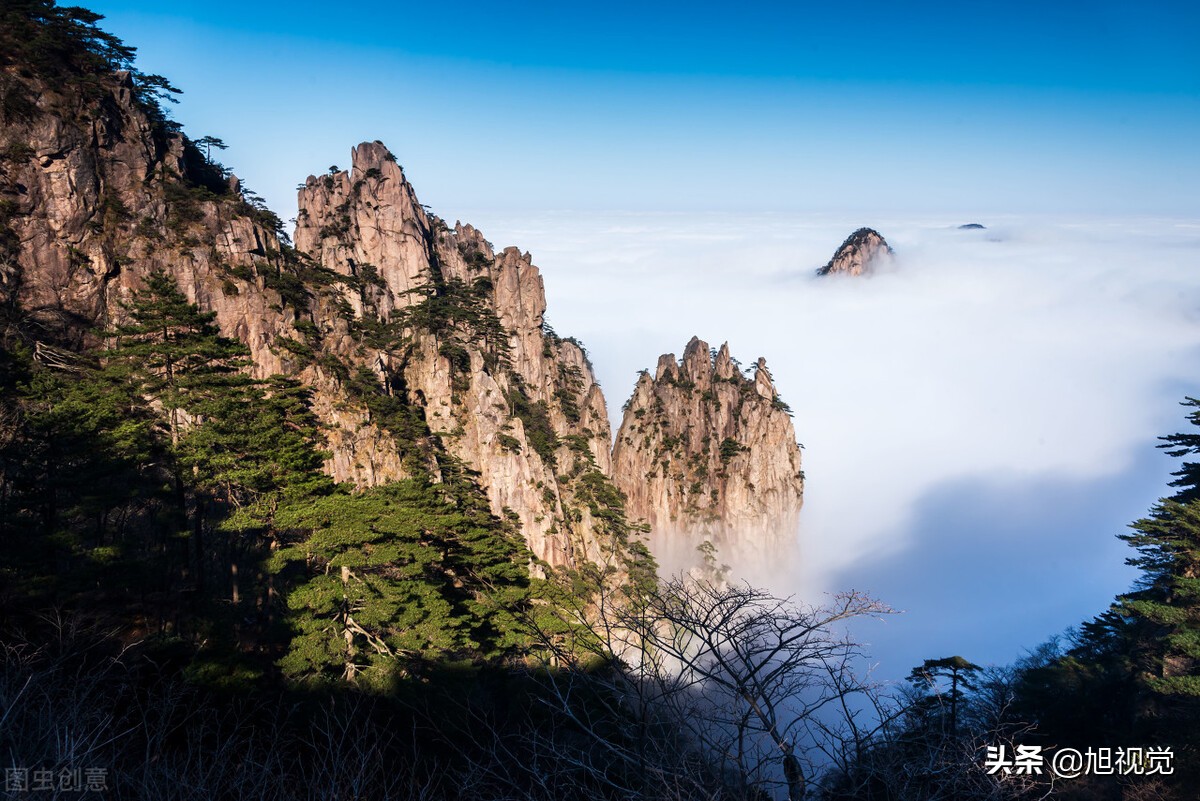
(859, 254)
(705, 453)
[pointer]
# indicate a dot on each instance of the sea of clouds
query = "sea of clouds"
(979, 420)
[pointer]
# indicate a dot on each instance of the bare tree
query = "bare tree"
(761, 672)
(705, 681)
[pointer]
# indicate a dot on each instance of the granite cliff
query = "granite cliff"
(706, 454)
(424, 348)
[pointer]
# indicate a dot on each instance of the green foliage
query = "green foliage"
(730, 448)
(1165, 602)
(568, 385)
(459, 314)
(710, 569)
(1187, 477)
(1086, 693)
(62, 47)
(930, 678)
(396, 574)
(390, 408)
(369, 275)
(79, 491)
(1167, 598)
(375, 584)
(535, 418)
(172, 352)
(292, 288)
(255, 450)
(148, 472)
(301, 350)
(309, 330)
(1133, 673)
(184, 207)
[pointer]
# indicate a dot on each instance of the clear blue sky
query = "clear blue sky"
(956, 107)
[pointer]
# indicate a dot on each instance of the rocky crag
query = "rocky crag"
(708, 457)
(861, 253)
(425, 349)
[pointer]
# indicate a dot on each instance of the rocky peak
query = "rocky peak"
(862, 251)
(421, 344)
(667, 368)
(366, 223)
(705, 453)
(697, 365)
(763, 384)
(723, 368)
(512, 400)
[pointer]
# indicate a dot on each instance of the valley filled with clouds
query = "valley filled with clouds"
(979, 418)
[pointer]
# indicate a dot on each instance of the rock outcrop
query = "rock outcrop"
(707, 454)
(861, 253)
(424, 348)
(502, 393)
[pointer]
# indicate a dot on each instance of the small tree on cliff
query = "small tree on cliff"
(174, 354)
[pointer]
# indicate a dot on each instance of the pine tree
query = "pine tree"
(1165, 604)
(937, 700)
(80, 486)
(1167, 598)
(174, 353)
(398, 574)
(255, 447)
(173, 357)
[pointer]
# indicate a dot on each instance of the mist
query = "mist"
(978, 420)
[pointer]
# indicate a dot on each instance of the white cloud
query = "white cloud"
(1033, 353)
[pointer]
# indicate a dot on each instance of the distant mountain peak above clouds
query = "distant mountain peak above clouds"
(859, 254)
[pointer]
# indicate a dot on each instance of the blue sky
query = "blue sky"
(978, 107)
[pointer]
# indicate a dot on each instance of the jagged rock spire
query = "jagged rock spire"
(705, 453)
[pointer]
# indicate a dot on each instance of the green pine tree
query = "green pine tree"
(1167, 598)
(398, 574)
(1165, 603)
(174, 354)
(81, 488)
(173, 357)
(937, 699)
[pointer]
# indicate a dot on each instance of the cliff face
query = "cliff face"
(94, 200)
(706, 454)
(862, 252)
(463, 335)
(105, 196)
(424, 348)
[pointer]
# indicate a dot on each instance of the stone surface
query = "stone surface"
(860, 254)
(100, 202)
(94, 198)
(705, 453)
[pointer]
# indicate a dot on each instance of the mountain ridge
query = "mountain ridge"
(419, 342)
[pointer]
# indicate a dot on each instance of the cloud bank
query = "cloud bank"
(978, 421)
